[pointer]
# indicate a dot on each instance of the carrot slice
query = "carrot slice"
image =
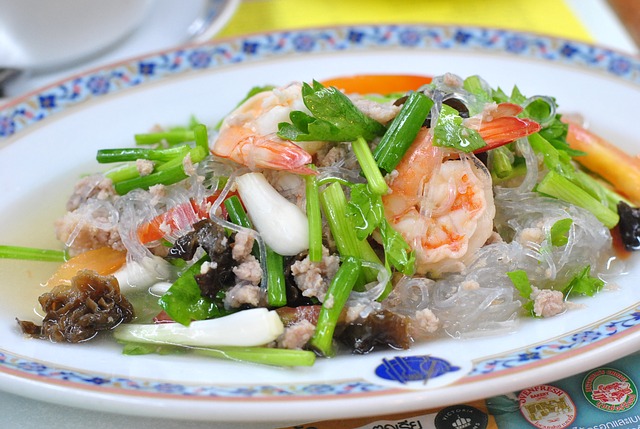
(104, 261)
(378, 83)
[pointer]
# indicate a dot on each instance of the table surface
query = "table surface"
(584, 20)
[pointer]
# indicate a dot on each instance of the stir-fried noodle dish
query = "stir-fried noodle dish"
(343, 216)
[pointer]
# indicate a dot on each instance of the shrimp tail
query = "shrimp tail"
(505, 130)
(504, 126)
(263, 152)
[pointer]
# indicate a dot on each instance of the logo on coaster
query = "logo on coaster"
(461, 417)
(414, 368)
(609, 390)
(547, 407)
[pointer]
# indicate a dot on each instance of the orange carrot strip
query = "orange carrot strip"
(377, 83)
(104, 261)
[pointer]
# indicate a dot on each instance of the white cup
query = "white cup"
(50, 34)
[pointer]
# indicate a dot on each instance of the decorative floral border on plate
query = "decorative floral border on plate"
(29, 110)
(558, 348)
(21, 113)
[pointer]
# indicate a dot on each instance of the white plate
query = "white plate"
(52, 136)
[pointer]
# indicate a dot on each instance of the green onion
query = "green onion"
(261, 355)
(314, 217)
(105, 156)
(335, 299)
(369, 167)
(122, 173)
(166, 174)
(201, 137)
(276, 286)
(32, 254)
(557, 186)
(171, 137)
(501, 166)
(402, 132)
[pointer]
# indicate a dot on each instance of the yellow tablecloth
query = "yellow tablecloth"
(550, 17)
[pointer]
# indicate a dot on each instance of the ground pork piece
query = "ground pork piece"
(77, 312)
(95, 186)
(313, 278)
(242, 294)
(381, 112)
(531, 235)
(144, 166)
(331, 156)
(425, 322)
(296, 336)
(249, 270)
(547, 302)
(187, 165)
(82, 232)
(242, 246)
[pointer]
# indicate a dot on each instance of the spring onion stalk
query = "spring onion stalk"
(122, 173)
(183, 302)
(32, 254)
(334, 205)
(201, 137)
(260, 355)
(335, 299)
(105, 156)
(369, 167)
(402, 131)
(166, 174)
(282, 225)
(557, 186)
(171, 137)
(501, 166)
(314, 216)
(253, 327)
(276, 286)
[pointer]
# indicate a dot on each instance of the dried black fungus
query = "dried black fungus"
(629, 226)
(77, 312)
(379, 330)
(206, 234)
(213, 240)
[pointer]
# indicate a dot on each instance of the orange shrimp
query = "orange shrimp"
(443, 208)
(248, 135)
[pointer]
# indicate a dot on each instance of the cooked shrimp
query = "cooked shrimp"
(443, 208)
(248, 134)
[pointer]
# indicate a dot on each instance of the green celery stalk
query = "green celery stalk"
(314, 217)
(557, 186)
(166, 174)
(337, 295)
(32, 254)
(402, 132)
(171, 137)
(105, 156)
(369, 167)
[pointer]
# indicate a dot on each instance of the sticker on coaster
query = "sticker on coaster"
(461, 417)
(609, 390)
(547, 407)
(419, 371)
